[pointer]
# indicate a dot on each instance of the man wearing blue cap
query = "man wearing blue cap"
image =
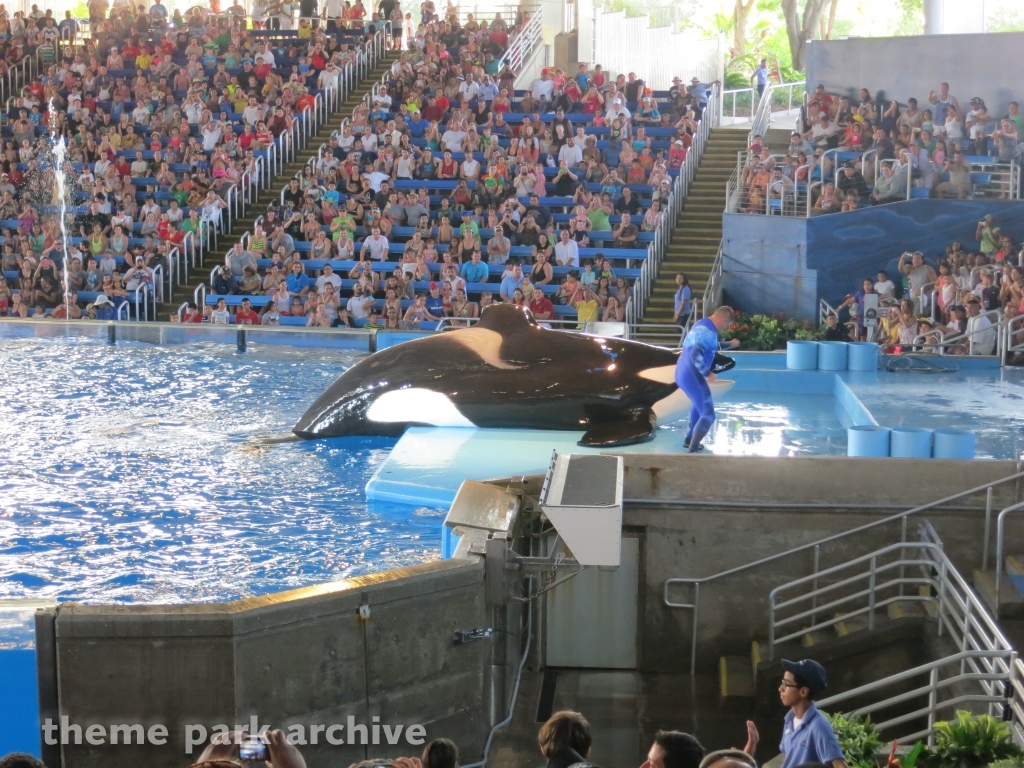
(807, 736)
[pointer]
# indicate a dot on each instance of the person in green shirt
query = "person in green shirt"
(988, 233)
(598, 215)
(343, 221)
(468, 223)
(373, 322)
(1016, 118)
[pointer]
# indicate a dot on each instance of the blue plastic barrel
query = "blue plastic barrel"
(867, 440)
(832, 355)
(953, 443)
(801, 355)
(910, 443)
(863, 356)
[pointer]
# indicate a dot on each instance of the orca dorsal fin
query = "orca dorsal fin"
(506, 319)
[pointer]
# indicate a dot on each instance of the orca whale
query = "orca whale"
(506, 371)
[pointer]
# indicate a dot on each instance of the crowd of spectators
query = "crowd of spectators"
(881, 147)
(160, 117)
(954, 304)
(564, 740)
(450, 190)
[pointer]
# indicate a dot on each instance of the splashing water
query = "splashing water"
(59, 159)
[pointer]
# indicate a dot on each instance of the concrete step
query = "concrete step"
(1010, 604)
(857, 623)
(736, 677)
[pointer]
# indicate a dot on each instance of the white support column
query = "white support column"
(933, 17)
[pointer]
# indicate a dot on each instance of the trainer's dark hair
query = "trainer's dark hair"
(565, 729)
(440, 753)
(20, 760)
(681, 749)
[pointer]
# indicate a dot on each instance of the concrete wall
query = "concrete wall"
(782, 264)
(682, 541)
(764, 265)
(897, 68)
(303, 656)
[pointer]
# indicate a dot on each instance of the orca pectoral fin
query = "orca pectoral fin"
(636, 427)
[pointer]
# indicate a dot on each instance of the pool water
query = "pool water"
(777, 424)
(132, 474)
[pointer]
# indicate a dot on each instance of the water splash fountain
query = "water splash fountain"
(59, 150)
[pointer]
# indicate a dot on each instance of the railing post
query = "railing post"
(932, 696)
(964, 641)
(942, 596)
(903, 553)
(988, 530)
(871, 594)
(693, 640)
(814, 595)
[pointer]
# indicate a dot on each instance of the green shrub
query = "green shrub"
(857, 738)
(972, 741)
(762, 333)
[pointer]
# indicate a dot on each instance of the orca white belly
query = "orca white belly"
(416, 404)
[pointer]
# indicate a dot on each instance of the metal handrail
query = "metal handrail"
(988, 680)
(985, 655)
(522, 45)
(977, 627)
(1000, 525)
(762, 118)
(695, 582)
(1011, 329)
(713, 289)
(680, 189)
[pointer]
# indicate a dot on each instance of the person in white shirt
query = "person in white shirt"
(211, 135)
(382, 100)
(253, 112)
(470, 168)
(328, 277)
(543, 88)
(326, 163)
(140, 115)
(571, 153)
(567, 251)
(376, 244)
(884, 287)
(980, 334)
(376, 178)
(328, 79)
(468, 88)
(268, 55)
(452, 138)
(358, 305)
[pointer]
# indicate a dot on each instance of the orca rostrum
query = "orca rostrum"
(508, 372)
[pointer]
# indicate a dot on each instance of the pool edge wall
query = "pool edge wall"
(302, 656)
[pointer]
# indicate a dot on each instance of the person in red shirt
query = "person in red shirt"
(192, 314)
(247, 315)
(541, 305)
(432, 112)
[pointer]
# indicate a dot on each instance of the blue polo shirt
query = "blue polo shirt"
(509, 285)
(417, 127)
(813, 742)
(474, 273)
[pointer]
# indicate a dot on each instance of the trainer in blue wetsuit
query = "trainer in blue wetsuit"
(695, 361)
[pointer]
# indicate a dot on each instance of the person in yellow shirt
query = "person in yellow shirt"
(144, 60)
(587, 308)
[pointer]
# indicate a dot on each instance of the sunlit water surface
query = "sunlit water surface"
(131, 473)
